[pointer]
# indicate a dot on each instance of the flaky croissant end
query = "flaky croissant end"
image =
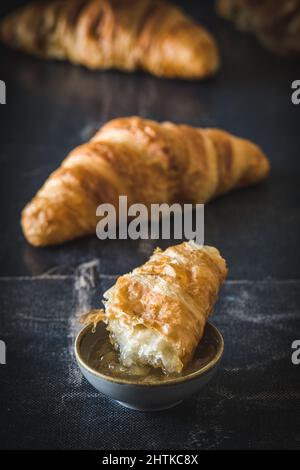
(156, 315)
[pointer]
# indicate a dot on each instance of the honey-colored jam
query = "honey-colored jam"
(104, 359)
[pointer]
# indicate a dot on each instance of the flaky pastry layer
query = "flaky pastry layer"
(156, 314)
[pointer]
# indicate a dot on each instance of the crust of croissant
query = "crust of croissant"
(276, 23)
(145, 160)
(124, 34)
(173, 294)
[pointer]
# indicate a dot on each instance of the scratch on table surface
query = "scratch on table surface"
(238, 307)
(222, 396)
(209, 436)
(262, 396)
(260, 364)
(35, 319)
(268, 395)
(85, 283)
(110, 277)
(35, 171)
(40, 277)
(89, 130)
(82, 394)
(55, 271)
(259, 318)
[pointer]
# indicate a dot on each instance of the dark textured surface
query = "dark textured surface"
(52, 107)
(253, 402)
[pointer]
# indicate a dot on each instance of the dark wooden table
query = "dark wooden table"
(254, 401)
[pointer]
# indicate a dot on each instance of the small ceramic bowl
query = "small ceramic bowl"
(150, 396)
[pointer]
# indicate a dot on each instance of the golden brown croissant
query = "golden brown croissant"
(148, 162)
(156, 315)
(124, 34)
(275, 22)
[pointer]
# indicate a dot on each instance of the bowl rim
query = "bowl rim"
(186, 378)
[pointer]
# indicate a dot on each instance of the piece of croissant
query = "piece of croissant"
(126, 34)
(156, 315)
(148, 162)
(276, 23)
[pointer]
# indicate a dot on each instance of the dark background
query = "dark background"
(254, 401)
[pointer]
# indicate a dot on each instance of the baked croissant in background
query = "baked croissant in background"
(148, 162)
(126, 34)
(276, 23)
(156, 315)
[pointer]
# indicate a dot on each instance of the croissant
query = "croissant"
(124, 34)
(276, 23)
(148, 162)
(156, 315)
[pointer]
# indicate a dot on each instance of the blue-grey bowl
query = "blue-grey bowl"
(150, 396)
